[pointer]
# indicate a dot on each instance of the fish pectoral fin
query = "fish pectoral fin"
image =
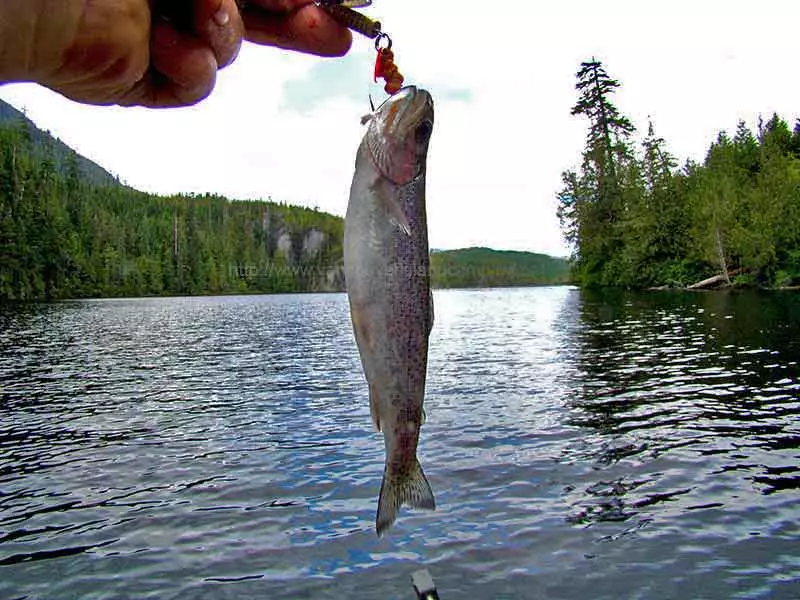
(397, 217)
(373, 407)
(413, 490)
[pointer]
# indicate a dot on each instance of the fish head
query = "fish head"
(398, 134)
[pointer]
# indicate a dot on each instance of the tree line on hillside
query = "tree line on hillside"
(634, 219)
(64, 236)
(70, 230)
(484, 267)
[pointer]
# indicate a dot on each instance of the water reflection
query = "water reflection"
(679, 382)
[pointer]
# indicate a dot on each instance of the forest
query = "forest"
(69, 229)
(64, 234)
(634, 218)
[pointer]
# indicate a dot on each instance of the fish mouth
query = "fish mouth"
(403, 111)
(408, 93)
(398, 134)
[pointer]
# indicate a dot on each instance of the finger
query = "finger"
(219, 24)
(183, 70)
(307, 29)
(278, 6)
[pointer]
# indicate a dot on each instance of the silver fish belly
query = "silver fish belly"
(386, 265)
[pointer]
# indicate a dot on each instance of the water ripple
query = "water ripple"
(579, 445)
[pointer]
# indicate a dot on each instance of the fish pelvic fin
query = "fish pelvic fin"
(373, 407)
(414, 491)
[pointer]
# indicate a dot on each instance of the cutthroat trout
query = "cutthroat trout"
(386, 265)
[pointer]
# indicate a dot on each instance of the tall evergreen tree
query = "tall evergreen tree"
(609, 131)
(591, 202)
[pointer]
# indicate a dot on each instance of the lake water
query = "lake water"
(579, 446)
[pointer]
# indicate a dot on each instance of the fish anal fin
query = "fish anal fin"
(430, 311)
(413, 490)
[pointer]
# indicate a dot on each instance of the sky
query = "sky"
(286, 126)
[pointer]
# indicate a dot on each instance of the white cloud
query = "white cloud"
(497, 154)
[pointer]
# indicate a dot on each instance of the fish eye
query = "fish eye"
(424, 130)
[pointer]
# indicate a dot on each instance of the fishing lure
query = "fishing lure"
(385, 67)
(342, 11)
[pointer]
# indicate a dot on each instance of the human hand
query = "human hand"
(294, 25)
(155, 53)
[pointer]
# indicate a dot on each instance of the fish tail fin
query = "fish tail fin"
(414, 491)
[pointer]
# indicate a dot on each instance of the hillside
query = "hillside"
(483, 267)
(68, 229)
(43, 145)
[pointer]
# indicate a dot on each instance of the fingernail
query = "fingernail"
(222, 17)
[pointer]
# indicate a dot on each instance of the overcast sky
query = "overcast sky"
(502, 74)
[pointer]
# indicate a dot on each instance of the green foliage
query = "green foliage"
(63, 235)
(634, 220)
(482, 267)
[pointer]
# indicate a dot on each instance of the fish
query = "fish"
(387, 277)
